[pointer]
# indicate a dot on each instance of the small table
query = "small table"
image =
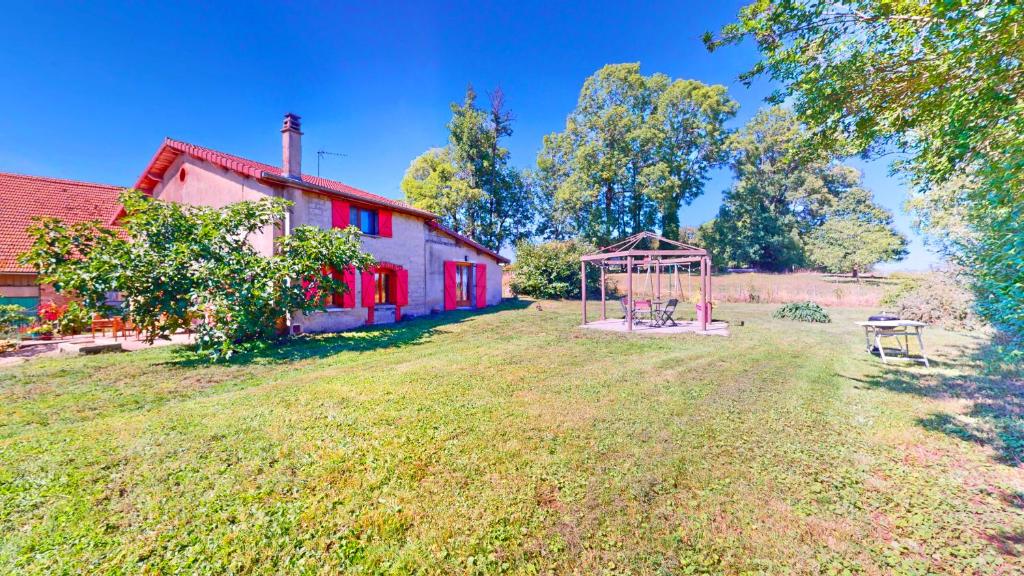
(894, 329)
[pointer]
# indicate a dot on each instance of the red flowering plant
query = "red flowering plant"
(51, 311)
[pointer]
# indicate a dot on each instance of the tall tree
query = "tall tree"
(783, 194)
(470, 183)
(940, 81)
(634, 150)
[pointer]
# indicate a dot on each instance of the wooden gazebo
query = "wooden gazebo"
(647, 249)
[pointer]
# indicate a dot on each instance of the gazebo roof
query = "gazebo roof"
(632, 246)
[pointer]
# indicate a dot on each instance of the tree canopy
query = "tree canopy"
(938, 81)
(635, 150)
(784, 195)
(470, 183)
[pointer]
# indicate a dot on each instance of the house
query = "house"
(422, 266)
(24, 197)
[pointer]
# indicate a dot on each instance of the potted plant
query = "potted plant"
(41, 331)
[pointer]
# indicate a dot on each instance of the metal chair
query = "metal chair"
(665, 314)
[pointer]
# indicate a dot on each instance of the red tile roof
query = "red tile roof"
(171, 149)
(23, 197)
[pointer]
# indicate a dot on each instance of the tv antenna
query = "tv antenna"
(321, 153)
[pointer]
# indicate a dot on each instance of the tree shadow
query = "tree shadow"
(994, 388)
(411, 332)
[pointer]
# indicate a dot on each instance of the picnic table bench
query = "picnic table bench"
(876, 330)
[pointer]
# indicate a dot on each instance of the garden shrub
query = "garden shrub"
(941, 299)
(552, 270)
(12, 316)
(803, 312)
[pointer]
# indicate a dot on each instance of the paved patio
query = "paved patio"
(72, 345)
(683, 327)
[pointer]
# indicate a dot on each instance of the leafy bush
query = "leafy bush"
(12, 316)
(803, 312)
(552, 270)
(904, 284)
(941, 299)
(74, 319)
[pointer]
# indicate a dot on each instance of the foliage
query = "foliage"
(12, 316)
(551, 269)
(802, 312)
(470, 183)
(939, 81)
(635, 150)
(849, 244)
(788, 206)
(940, 299)
(902, 284)
(74, 319)
(178, 264)
(548, 440)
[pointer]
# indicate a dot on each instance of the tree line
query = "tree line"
(635, 151)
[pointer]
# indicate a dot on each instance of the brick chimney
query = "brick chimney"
(291, 146)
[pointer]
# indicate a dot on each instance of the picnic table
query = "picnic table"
(876, 330)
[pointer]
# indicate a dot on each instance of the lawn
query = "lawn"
(514, 442)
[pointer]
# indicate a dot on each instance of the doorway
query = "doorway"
(463, 277)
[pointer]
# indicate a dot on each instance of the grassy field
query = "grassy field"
(514, 442)
(825, 289)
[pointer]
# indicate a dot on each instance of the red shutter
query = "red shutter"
(326, 271)
(384, 223)
(336, 298)
(402, 292)
(348, 299)
(481, 285)
(369, 287)
(339, 213)
(449, 285)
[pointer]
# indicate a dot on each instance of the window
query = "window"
(384, 294)
(365, 219)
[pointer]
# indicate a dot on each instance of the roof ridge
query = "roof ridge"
(61, 180)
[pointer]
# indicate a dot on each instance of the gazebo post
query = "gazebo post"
(629, 293)
(604, 310)
(583, 289)
(657, 280)
(703, 295)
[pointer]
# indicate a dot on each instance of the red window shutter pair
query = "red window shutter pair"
(449, 285)
(384, 223)
(339, 213)
(481, 285)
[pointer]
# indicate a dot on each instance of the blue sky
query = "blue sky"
(91, 90)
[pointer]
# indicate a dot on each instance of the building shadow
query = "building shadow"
(410, 332)
(994, 388)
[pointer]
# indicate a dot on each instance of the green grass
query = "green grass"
(514, 442)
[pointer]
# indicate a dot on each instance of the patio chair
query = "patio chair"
(624, 302)
(665, 314)
(642, 309)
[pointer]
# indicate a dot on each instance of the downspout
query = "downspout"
(288, 281)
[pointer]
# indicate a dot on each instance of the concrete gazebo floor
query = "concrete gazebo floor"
(682, 327)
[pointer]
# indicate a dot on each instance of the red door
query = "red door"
(481, 285)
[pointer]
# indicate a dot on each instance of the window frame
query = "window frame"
(355, 218)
